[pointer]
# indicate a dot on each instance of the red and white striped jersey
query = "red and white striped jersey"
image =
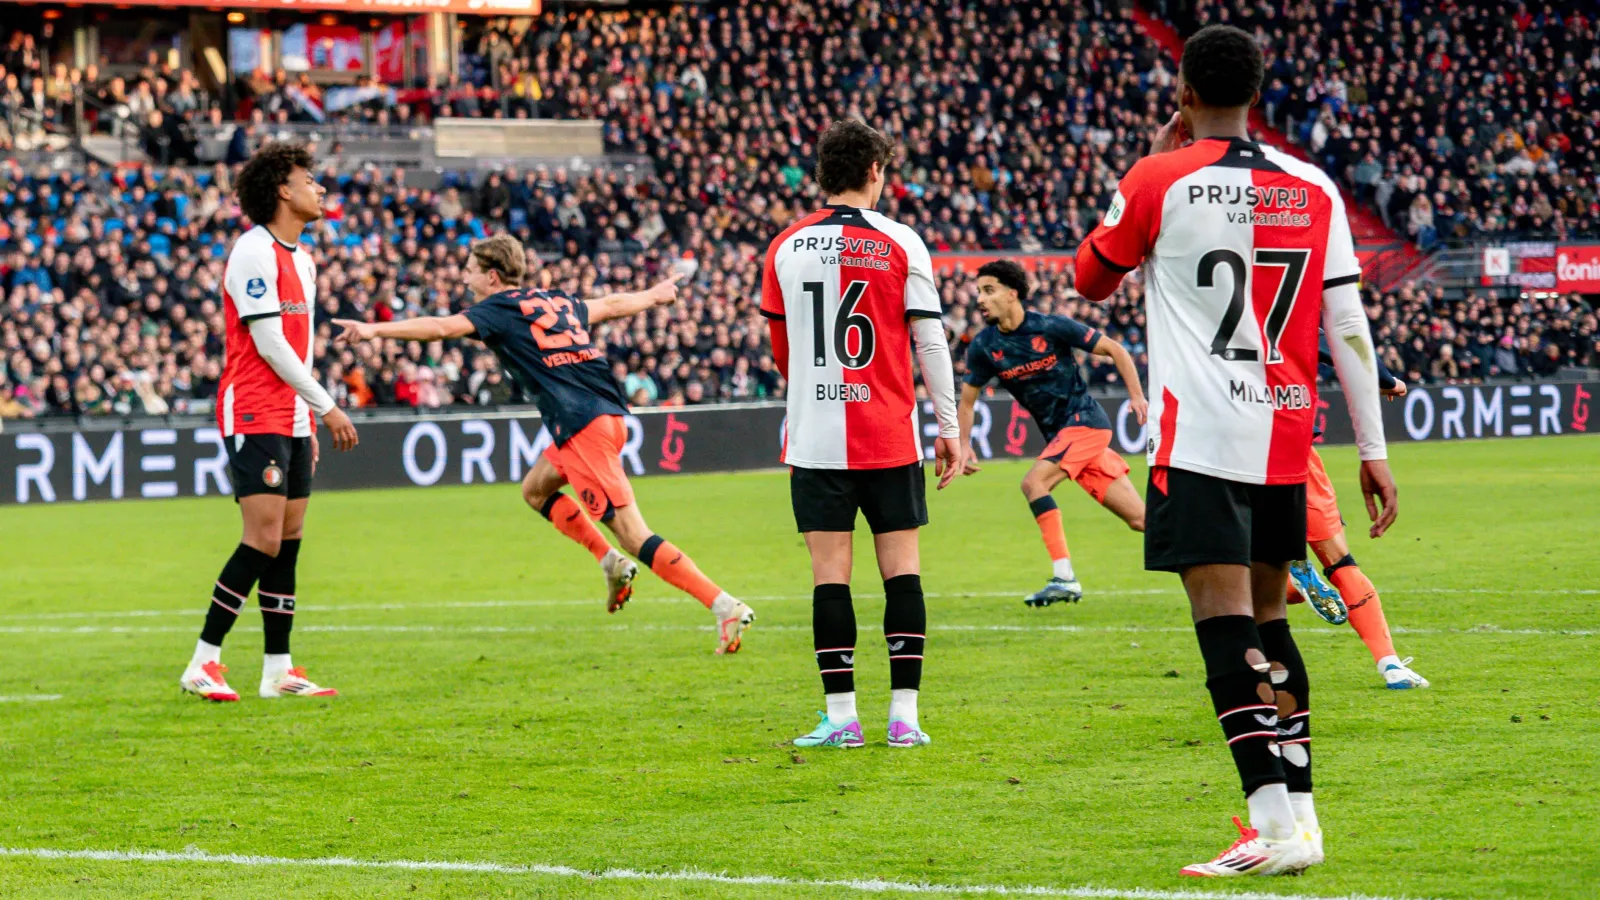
(845, 282)
(1238, 242)
(264, 277)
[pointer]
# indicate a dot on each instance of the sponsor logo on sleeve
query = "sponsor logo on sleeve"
(256, 288)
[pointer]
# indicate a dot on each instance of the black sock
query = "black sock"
(905, 627)
(232, 588)
(275, 593)
(1293, 688)
(833, 634)
(1236, 676)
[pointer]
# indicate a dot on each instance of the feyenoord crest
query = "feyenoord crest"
(272, 476)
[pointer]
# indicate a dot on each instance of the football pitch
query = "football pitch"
(500, 735)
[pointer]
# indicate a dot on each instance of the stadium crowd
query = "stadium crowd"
(1454, 119)
(1015, 122)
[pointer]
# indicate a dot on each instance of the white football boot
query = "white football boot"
(1253, 854)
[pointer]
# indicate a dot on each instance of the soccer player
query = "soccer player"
(265, 409)
(542, 338)
(848, 290)
(1031, 354)
(1325, 533)
(1243, 247)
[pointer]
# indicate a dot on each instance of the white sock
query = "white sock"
(1271, 814)
(903, 704)
(841, 707)
(1388, 661)
(1063, 568)
(722, 608)
(1304, 812)
(204, 653)
(274, 666)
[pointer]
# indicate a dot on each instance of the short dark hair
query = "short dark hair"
(268, 170)
(1009, 273)
(1223, 65)
(845, 155)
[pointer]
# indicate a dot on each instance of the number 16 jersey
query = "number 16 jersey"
(1238, 243)
(542, 339)
(845, 282)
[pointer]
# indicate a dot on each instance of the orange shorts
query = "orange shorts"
(1323, 521)
(591, 462)
(1085, 454)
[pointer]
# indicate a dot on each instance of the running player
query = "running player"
(1325, 533)
(265, 410)
(1243, 247)
(542, 338)
(849, 289)
(1031, 354)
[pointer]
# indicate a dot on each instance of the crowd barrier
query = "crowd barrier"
(165, 458)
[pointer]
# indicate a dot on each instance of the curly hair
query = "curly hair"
(1223, 65)
(1008, 273)
(268, 170)
(845, 155)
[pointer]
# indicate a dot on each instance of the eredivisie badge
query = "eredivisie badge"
(1114, 214)
(272, 476)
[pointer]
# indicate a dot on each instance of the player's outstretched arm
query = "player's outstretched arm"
(965, 414)
(425, 329)
(628, 305)
(1129, 372)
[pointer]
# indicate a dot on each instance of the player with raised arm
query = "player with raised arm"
(1031, 354)
(266, 404)
(847, 290)
(1244, 250)
(542, 338)
(1325, 534)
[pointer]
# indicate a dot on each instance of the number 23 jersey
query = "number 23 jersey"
(1238, 242)
(542, 339)
(845, 281)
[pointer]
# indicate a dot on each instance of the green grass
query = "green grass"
(495, 714)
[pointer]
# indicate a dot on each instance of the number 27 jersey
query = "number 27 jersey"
(1238, 243)
(845, 282)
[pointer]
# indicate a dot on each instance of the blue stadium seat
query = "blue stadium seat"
(166, 224)
(203, 179)
(115, 225)
(160, 245)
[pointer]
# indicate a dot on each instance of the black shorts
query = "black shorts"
(1195, 520)
(269, 464)
(827, 499)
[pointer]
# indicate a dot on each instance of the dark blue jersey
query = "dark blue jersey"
(542, 339)
(1035, 363)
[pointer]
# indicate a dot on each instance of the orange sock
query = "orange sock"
(677, 569)
(1048, 517)
(1366, 610)
(569, 519)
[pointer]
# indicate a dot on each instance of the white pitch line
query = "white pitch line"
(869, 885)
(199, 609)
(30, 698)
(619, 627)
